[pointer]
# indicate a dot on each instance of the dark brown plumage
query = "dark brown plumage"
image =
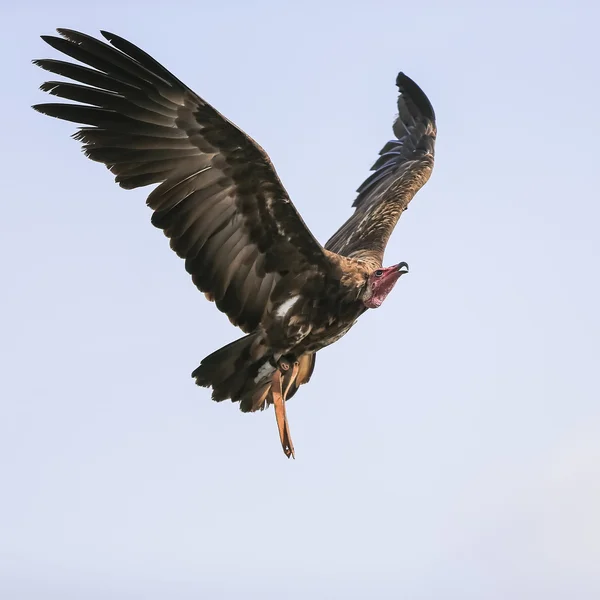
(225, 211)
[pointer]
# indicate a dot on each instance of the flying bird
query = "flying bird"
(227, 214)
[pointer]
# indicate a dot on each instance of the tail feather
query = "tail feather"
(220, 365)
(243, 371)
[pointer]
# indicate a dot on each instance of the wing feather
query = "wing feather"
(219, 199)
(403, 167)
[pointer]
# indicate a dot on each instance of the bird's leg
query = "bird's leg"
(279, 396)
(292, 378)
(280, 414)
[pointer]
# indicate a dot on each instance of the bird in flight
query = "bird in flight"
(227, 214)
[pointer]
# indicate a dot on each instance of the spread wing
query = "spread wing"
(219, 201)
(403, 167)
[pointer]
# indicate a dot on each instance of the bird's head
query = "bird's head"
(380, 284)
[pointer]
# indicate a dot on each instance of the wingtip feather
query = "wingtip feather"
(413, 92)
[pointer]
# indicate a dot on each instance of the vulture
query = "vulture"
(226, 213)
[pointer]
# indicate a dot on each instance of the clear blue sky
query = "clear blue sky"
(448, 447)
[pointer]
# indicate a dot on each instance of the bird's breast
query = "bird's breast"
(307, 327)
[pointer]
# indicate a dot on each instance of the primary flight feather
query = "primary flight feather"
(227, 214)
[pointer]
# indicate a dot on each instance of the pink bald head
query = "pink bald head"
(380, 284)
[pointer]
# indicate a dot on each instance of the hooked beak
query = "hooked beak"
(402, 268)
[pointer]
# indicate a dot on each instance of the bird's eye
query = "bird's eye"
(378, 273)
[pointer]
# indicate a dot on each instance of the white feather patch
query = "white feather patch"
(286, 306)
(264, 372)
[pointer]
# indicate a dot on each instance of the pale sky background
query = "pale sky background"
(447, 448)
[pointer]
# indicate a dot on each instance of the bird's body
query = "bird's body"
(309, 313)
(225, 211)
(306, 312)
